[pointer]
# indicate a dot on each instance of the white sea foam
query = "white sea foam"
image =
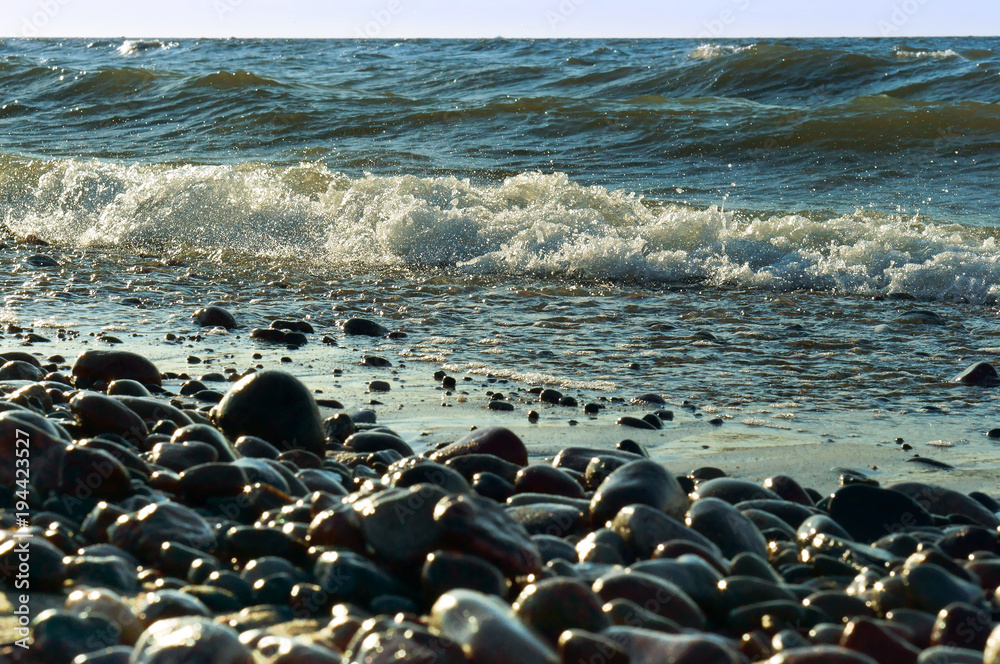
(136, 46)
(913, 54)
(710, 51)
(532, 224)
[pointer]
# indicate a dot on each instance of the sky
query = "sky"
(396, 19)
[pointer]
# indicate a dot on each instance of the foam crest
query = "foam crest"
(534, 224)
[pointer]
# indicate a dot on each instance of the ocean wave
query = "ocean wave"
(533, 224)
(712, 51)
(137, 46)
(907, 53)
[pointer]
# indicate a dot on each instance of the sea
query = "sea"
(788, 236)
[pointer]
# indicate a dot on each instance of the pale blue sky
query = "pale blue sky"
(706, 19)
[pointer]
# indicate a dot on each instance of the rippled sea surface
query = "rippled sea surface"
(795, 235)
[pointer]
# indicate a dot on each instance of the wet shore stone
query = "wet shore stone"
(498, 441)
(214, 316)
(640, 482)
(109, 365)
(274, 406)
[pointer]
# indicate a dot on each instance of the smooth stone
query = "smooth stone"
(944, 502)
(867, 636)
(18, 370)
(204, 433)
(213, 316)
(642, 482)
(950, 655)
(93, 473)
(635, 423)
(788, 489)
(822, 654)
(643, 528)
(698, 579)
(108, 572)
(322, 480)
(256, 448)
(931, 588)
(155, 410)
(869, 512)
(654, 594)
(471, 464)
(349, 577)
(546, 479)
(820, 523)
(492, 486)
(724, 525)
(101, 414)
(399, 525)
(581, 647)
(144, 532)
(127, 387)
(980, 374)
(375, 441)
(645, 646)
(59, 635)
(992, 653)
(411, 471)
(109, 365)
(192, 640)
(213, 480)
(169, 603)
(791, 513)
(479, 527)
(552, 547)
(549, 519)
(447, 570)
(733, 490)
(403, 643)
(578, 458)
(181, 456)
(364, 327)
(498, 441)
(112, 655)
(962, 626)
(275, 406)
(487, 630)
(46, 567)
(45, 445)
(552, 606)
(292, 326)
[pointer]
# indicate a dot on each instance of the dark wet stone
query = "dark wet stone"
(164, 604)
(627, 613)
(634, 423)
(60, 635)
(109, 365)
(598, 470)
(950, 655)
(379, 386)
(109, 572)
(144, 532)
(487, 630)
(375, 361)
(546, 479)
(629, 445)
(733, 490)
(552, 547)
(275, 406)
(213, 480)
(322, 480)
(399, 525)
(648, 647)
(181, 456)
(868, 636)
(46, 569)
(643, 528)
(724, 525)
(578, 458)
(218, 600)
(552, 606)
(549, 519)
(192, 640)
(653, 593)
(838, 605)
(87, 473)
(479, 527)
(374, 441)
(498, 441)
(930, 588)
(213, 316)
(231, 582)
(642, 482)
(256, 448)
(401, 643)
(962, 626)
(750, 564)
(154, 410)
(868, 512)
(500, 406)
(293, 326)
(364, 327)
(980, 374)
(471, 464)
(824, 654)
(492, 486)
(269, 335)
(820, 523)
(112, 655)
(99, 414)
(17, 370)
(410, 472)
(944, 502)
(447, 570)
(549, 395)
(349, 577)
(249, 542)
(203, 433)
(577, 646)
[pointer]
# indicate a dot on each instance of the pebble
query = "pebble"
(980, 374)
(274, 406)
(498, 441)
(641, 482)
(191, 640)
(144, 532)
(109, 365)
(214, 316)
(364, 327)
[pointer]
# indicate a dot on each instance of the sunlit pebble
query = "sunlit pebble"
(460, 399)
